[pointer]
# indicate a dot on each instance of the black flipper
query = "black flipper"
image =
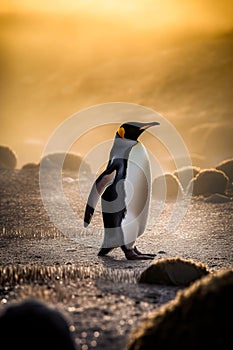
(103, 181)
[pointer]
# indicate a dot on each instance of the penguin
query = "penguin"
(125, 191)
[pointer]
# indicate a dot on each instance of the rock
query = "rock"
(32, 324)
(186, 174)
(198, 318)
(217, 198)
(227, 167)
(8, 158)
(31, 166)
(167, 186)
(173, 271)
(207, 182)
(68, 162)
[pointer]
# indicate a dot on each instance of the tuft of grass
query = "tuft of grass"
(21, 274)
(30, 232)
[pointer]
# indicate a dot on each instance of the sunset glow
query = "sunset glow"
(61, 56)
(146, 13)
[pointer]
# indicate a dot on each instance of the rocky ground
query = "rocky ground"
(99, 296)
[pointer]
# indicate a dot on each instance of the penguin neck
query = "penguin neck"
(118, 137)
(122, 146)
(124, 142)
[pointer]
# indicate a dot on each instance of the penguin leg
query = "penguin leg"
(130, 254)
(104, 251)
(140, 253)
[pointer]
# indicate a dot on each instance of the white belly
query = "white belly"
(138, 193)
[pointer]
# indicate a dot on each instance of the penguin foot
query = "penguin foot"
(132, 255)
(104, 251)
(140, 253)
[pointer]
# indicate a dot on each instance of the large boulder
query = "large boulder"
(31, 167)
(186, 174)
(67, 161)
(198, 318)
(32, 324)
(227, 167)
(167, 186)
(217, 198)
(207, 182)
(8, 158)
(173, 271)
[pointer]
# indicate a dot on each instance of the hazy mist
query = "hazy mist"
(172, 56)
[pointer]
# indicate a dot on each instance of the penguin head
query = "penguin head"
(132, 130)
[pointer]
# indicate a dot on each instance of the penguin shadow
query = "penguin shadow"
(155, 281)
(117, 259)
(120, 262)
(118, 269)
(121, 277)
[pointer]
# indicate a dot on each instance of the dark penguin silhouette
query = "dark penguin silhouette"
(125, 191)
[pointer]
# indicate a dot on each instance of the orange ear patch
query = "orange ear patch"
(121, 132)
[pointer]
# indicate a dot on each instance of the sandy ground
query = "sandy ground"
(99, 296)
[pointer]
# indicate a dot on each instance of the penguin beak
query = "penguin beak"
(148, 125)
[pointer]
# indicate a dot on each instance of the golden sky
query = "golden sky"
(59, 56)
(146, 13)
